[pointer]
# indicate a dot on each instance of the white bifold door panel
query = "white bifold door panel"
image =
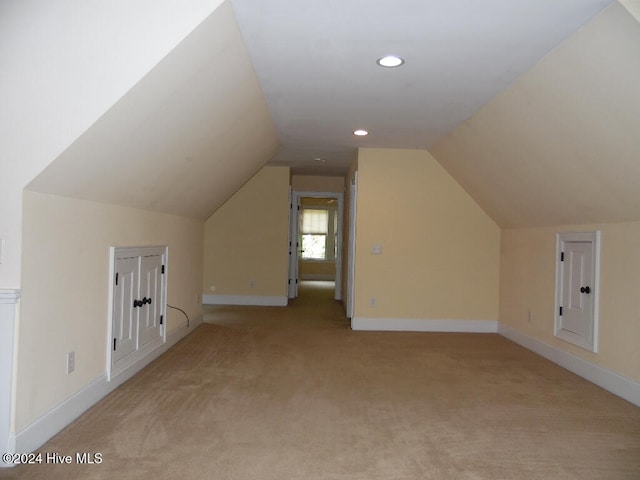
(577, 289)
(124, 317)
(149, 315)
(138, 306)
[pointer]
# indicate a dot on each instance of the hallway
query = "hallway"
(315, 307)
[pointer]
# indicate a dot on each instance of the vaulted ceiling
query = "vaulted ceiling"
(531, 105)
(562, 144)
(183, 139)
(316, 62)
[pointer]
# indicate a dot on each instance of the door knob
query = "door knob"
(586, 290)
(141, 303)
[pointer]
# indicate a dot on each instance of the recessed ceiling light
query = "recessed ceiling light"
(360, 133)
(390, 61)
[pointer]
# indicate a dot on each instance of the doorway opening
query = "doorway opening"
(315, 243)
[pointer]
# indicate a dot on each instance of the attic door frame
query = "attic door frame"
(293, 235)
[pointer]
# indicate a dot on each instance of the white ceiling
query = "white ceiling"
(315, 61)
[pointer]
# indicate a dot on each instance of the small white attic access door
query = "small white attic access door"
(124, 329)
(138, 293)
(577, 288)
(150, 314)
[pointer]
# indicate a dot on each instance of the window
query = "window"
(318, 233)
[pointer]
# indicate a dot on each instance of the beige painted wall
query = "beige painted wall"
(247, 238)
(317, 270)
(65, 292)
(527, 282)
(440, 251)
(311, 183)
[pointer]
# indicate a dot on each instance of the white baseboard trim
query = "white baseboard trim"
(41, 430)
(610, 381)
(254, 300)
(38, 432)
(424, 325)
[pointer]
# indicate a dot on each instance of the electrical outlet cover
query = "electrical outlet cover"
(71, 362)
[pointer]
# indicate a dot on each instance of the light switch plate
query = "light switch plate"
(376, 249)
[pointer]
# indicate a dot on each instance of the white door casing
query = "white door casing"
(292, 287)
(351, 261)
(577, 288)
(9, 305)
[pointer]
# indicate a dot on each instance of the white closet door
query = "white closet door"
(137, 307)
(577, 288)
(151, 296)
(577, 274)
(125, 322)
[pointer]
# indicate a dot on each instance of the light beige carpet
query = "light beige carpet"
(293, 393)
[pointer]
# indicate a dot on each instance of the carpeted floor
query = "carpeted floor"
(293, 393)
